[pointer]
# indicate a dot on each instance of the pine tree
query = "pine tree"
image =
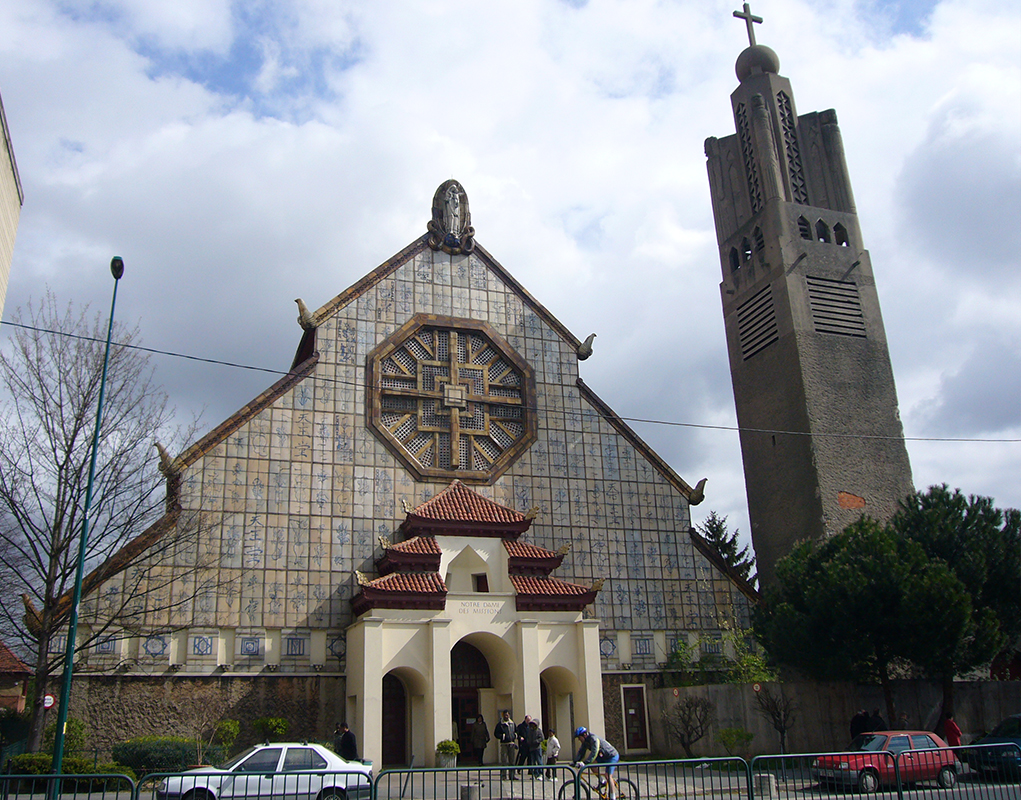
(714, 530)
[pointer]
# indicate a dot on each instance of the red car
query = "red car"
(921, 755)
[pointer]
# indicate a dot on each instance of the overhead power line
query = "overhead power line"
(638, 420)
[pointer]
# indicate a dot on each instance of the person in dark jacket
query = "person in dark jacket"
(876, 722)
(480, 738)
(533, 742)
(347, 746)
(520, 732)
(507, 739)
(859, 724)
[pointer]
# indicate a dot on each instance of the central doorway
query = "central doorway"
(469, 672)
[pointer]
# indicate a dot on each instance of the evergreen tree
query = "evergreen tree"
(714, 530)
(981, 545)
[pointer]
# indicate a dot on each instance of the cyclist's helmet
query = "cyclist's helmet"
(580, 732)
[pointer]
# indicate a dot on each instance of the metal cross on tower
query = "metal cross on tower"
(749, 21)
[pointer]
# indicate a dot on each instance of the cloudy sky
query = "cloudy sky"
(240, 155)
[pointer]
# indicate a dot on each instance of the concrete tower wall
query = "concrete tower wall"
(821, 436)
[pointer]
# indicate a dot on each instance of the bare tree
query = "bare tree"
(50, 371)
(689, 720)
(779, 709)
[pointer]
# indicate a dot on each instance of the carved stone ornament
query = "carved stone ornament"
(450, 229)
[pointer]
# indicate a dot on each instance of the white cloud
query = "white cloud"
(238, 160)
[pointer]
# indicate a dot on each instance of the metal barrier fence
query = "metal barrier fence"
(67, 787)
(704, 778)
(975, 772)
(255, 785)
(983, 772)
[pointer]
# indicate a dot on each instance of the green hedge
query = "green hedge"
(42, 764)
(147, 754)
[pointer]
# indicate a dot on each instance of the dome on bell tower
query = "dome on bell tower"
(756, 59)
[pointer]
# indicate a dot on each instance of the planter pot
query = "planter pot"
(446, 760)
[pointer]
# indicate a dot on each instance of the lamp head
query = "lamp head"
(117, 267)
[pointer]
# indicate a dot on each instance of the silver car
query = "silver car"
(273, 772)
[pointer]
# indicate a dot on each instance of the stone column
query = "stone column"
(438, 723)
(527, 695)
(589, 706)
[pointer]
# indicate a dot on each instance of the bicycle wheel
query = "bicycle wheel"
(567, 790)
(626, 790)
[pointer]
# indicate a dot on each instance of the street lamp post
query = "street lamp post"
(117, 269)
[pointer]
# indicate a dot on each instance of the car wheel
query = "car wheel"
(868, 781)
(947, 778)
(332, 793)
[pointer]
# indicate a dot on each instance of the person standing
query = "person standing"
(480, 738)
(533, 744)
(951, 731)
(859, 724)
(520, 733)
(552, 751)
(505, 736)
(348, 749)
(876, 722)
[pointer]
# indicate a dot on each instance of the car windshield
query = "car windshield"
(869, 741)
(237, 759)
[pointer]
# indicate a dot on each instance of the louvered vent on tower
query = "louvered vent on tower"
(756, 323)
(836, 307)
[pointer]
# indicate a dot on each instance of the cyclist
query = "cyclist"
(599, 751)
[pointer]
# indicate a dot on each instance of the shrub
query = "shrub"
(42, 764)
(13, 726)
(271, 729)
(226, 734)
(147, 754)
(448, 747)
(734, 740)
(74, 736)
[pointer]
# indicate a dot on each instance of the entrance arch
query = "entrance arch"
(402, 714)
(395, 721)
(469, 672)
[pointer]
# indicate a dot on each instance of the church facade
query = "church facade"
(435, 513)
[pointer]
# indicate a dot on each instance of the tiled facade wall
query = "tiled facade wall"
(305, 488)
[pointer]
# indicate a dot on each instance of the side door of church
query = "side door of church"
(636, 729)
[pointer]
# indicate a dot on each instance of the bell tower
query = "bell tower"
(821, 436)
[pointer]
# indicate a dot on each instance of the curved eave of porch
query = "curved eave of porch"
(370, 599)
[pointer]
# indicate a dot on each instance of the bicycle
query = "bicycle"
(588, 786)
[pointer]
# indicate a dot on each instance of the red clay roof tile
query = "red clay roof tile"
(10, 664)
(516, 549)
(417, 582)
(419, 545)
(551, 587)
(458, 503)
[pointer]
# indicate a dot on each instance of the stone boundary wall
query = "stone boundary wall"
(825, 710)
(117, 708)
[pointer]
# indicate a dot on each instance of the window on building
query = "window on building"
(480, 582)
(804, 228)
(840, 235)
(295, 646)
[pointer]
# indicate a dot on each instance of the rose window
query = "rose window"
(451, 399)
